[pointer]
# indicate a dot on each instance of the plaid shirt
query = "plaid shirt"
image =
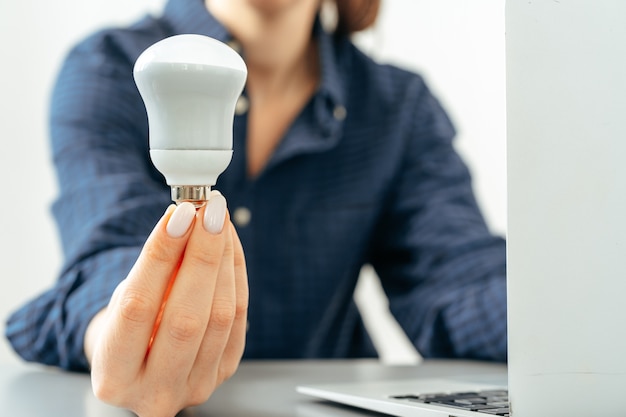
(366, 173)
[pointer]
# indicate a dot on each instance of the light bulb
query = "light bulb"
(190, 85)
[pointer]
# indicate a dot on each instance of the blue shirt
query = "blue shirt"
(367, 173)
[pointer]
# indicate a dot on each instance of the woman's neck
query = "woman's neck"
(276, 40)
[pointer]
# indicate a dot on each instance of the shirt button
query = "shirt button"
(340, 112)
(242, 216)
(242, 105)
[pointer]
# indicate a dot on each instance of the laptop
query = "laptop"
(462, 397)
(566, 232)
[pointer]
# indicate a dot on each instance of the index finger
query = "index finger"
(137, 306)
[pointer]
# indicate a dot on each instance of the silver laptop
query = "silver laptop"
(566, 234)
(447, 397)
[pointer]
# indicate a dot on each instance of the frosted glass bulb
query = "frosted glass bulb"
(190, 85)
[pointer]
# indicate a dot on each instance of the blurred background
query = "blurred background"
(457, 45)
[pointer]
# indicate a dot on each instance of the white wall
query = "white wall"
(458, 45)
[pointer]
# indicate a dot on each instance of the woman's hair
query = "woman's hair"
(355, 15)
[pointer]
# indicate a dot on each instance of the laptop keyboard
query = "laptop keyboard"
(492, 402)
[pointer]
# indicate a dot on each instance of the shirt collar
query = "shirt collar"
(331, 82)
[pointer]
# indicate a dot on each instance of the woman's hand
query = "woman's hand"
(175, 328)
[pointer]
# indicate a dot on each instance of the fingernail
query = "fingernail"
(180, 220)
(215, 213)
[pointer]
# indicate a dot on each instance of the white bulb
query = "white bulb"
(190, 85)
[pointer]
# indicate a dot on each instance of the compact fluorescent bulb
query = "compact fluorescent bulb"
(190, 85)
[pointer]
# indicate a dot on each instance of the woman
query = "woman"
(338, 161)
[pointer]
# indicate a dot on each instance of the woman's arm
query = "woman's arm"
(443, 271)
(110, 198)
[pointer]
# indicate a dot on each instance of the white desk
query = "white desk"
(265, 388)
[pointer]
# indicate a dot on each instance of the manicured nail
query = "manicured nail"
(180, 220)
(215, 213)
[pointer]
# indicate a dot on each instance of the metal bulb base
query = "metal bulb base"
(198, 195)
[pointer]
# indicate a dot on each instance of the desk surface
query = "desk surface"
(258, 389)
